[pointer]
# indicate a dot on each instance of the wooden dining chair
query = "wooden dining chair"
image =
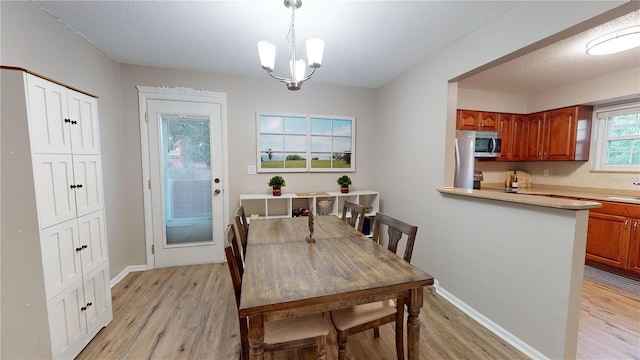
(357, 214)
(284, 334)
(363, 317)
(242, 228)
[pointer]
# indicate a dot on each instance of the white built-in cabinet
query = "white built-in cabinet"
(321, 203)
(64, 297)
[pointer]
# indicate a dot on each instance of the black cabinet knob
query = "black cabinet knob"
(84, 246)
(67, 120)
(72, 186)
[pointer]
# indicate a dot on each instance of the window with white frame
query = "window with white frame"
(305, 143)
(617, 138)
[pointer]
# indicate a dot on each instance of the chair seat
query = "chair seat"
(292, 329)
(350, 317)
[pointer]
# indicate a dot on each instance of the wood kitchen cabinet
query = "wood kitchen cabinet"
(512, 127)
(477, 120)
(613, 238)
(560, 134)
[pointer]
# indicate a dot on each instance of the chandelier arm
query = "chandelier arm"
(308, 76)
(281, 79)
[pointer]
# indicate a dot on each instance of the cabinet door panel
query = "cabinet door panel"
(53, 178)
(83, 109)
(518, 137)
(634, 246)
(608, 239)
(67, 323)
(534, 135)
(93, 240)
(489, 121)
(60, 258)
(468, 120)
(97, 297)
(561, 133)
(87, 171)
(505, 128)
(48, 110)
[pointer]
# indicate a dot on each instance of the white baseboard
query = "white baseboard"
(490, 325)
(126, 271)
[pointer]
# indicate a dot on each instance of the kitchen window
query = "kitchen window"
(305, 143)
(617, 138)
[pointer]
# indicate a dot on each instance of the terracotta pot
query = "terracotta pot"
(277, 191)
(344, 189)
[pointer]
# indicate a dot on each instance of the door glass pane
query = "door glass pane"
(187, 179)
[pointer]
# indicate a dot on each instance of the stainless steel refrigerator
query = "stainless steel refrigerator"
(465, 159)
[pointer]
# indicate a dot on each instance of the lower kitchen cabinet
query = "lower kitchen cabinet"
(613, 238)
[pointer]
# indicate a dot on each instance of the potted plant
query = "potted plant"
(344, 181)
(276, 183)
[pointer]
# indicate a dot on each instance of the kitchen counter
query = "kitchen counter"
(598, 194)
(528, 197)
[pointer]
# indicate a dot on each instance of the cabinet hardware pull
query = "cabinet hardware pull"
(89, 304)
(72, 186)
(83, 308)
(79, 186)
(84, 246)
(67, 120)
(78, 249)
(626, 223)
(73, 122)
(635, 226)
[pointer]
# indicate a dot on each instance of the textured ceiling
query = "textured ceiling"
(563, 62)
(367, 43)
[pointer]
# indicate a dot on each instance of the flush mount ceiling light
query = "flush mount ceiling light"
(614, 42)
(315, 48)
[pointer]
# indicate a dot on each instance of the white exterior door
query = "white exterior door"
(185, 166)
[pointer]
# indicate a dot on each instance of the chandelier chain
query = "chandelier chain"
(292, 29)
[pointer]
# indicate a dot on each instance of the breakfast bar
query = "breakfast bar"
(523, 261)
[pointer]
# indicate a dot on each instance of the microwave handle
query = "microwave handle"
(492, 144)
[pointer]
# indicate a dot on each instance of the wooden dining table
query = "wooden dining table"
(287, 276)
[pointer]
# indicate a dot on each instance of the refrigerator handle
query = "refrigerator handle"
(457, 173)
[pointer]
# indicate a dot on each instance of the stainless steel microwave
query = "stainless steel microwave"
(488, 144)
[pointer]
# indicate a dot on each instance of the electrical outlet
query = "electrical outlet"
(545, 172)
(251, 170)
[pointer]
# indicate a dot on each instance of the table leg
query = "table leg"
(256, 337)
(413, 323)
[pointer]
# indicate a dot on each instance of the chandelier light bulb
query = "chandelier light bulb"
(615, 42)
(267, 53)
(315, 49)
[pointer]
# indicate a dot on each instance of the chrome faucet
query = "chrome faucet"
(636, 183)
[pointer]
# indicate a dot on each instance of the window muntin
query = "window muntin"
(617, 138)
(290, 143)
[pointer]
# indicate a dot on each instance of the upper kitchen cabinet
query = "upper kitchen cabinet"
(560, 134)
(477, 120)
(512, 127)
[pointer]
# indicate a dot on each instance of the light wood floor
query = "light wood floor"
(189, 313)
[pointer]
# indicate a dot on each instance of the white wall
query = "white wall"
(245, 97)
(410, 172)
(33, 39)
